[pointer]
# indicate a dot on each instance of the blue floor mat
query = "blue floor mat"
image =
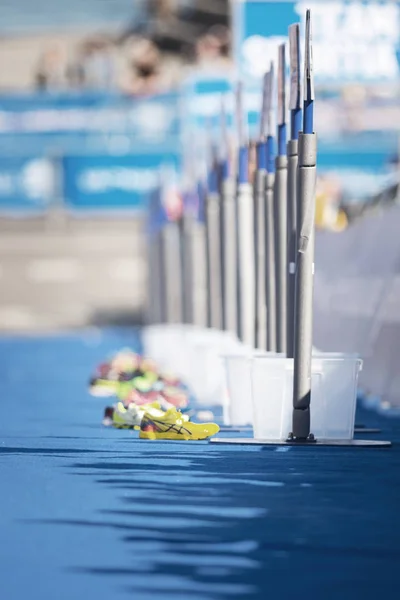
(94, 513)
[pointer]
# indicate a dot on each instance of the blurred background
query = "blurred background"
(96, 96)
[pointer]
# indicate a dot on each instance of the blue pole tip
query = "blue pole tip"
(243, 164)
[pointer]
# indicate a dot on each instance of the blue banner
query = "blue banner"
(353, 40)
(100, 182)
(27, 184)
(150, 118)
(204, 93)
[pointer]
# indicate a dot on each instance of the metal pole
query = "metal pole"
(269, 223)
(292, 160)
(259, 225)
(245, 230)
(214, 252)
(229, 253)
(172, 273)
(198, 262)
(270, 262)
(246, 263)
(280, 207)
(305, 257)
(261, 303)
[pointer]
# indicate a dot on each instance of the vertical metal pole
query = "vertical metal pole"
(245, 230)
(270, 262)
(280, 206)
(259, 225)
(214, 253)
(185, 230)
(195, 257)
(172, 272)
(229, 253)
(199, 274)
(246, 263)
(270, 278)
(305, 256)
(155, 279)
(261, 303)
(292, 159)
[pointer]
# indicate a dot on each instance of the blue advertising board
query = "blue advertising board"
(204, 94)
(27, 184)
(109, 147)
(113, 182)
(353, 40)
(152, 118)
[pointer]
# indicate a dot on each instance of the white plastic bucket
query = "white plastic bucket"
(333, 396)
(169, 347)
(207, 379)
(238, 406)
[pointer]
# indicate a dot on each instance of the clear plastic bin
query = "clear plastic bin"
(208, 380)
(333, 396)
(238, 406)
(168, 346)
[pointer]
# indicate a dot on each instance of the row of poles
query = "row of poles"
(241, 258)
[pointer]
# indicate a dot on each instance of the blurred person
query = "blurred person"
(223, 34)
(93, 67)
(97, 65)
(209, 52)
(51, 70)
(146, 70)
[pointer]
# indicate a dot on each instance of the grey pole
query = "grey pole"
(246, 263)
(155, 278)
(214, 259)
(280, 206)
(229, 253)
(195, 256)
(292, 160)
(280, 237)
(270, 263)
(185, 229)
(305, 256)
(199, 274)
(259, 229)
(245, 230)
(261, 304)
(228, 230)
(171, 256)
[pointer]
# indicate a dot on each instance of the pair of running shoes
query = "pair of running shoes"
(147, 400)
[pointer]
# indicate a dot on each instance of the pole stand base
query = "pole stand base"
(310, 439)
(316, 443)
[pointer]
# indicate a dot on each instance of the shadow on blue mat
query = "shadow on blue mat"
(108, 516)
(201, 523)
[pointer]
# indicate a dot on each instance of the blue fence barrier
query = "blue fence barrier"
(97, 182)
(26, 184)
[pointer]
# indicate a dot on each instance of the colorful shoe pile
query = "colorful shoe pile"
(147, 399)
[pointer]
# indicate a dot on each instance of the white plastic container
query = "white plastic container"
(238, 405)
(208, 380)
(333, 396)
(194, 354)
(169, 347)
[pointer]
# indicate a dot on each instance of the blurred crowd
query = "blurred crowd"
(150, 56)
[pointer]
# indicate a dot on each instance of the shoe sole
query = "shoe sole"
(149, 435)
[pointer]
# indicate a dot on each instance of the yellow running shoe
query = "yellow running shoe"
(131, 417)
(173, 426)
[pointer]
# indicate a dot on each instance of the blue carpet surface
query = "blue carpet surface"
(88, 512)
